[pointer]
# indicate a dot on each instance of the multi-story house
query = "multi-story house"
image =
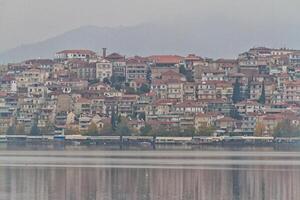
(104, 69)
(83, 107)
(294, 58)
(189, 107)
(248, 106)
(212, 75)
(291, 91)
(227, 65)
(126, 104)
(37, 90)
(87, 71)
(31, 76)
(206, 90)
(118, 64)
(206, 119)
(136, 68)
(160, 88)
(6, 114)
(189, 91)
(248, 125)
(175, 90)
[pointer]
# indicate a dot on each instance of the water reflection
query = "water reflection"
(255, 182)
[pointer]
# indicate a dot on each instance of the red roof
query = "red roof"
(193, 57)
(166, 59)
(136, 60)
(115, 57)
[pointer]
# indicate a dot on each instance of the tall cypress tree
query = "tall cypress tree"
(248, 90)
(262, 98)
(113, 118)
(236, 96)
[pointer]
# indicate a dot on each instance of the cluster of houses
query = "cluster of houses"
(165, 92)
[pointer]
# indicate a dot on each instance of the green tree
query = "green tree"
(20, 129)
(106, 81)
(236, 96)
(106, 130)
(148, 75)
(72, 131)
(144, 89)
(35, 129)
(205, 130)
(259, 129)
(286, 128)
(130, 90)
(114, 119)
(187, 73)
(248, 90)
(262, 98)
(92, 129)
(189, 132)
(11, 130)
(146, 130)
(49, 128)
(142, 116)
(123, 129)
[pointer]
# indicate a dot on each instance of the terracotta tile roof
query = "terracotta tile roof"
(193, 57)
(136, 60)
(158, 82)
(115, 57)
(3, 94)
(189, 104)
(164, 102)
(166, 59)
(172, 73)
(226, 119)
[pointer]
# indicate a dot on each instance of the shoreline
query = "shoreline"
(149, 141)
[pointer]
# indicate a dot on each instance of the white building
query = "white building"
(84, 55)
(103, 69)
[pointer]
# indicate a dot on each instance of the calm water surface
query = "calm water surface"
(79, 174)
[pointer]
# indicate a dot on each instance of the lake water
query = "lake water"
(212, 174)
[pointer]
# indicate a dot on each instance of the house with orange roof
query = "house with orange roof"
(165, 60)
(118, 64)
(193, 60)
(172, 75)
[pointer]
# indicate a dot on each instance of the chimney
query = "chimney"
(104, 52)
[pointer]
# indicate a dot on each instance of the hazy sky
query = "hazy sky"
(26, 21)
